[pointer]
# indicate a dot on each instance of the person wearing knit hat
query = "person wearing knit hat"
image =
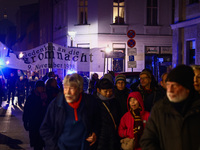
(177, 113)
(110, 115)
(121, 92)
(149, 89)
(120, 77)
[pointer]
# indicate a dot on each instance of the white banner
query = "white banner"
(55, 56)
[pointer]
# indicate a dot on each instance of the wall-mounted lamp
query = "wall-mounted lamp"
(72, 35)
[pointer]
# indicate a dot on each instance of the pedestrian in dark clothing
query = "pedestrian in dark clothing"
(20, 88)
(34, 111)
(174, 121)
(92, 83)
(72, 120)
(59, 83)
(26, 85)
(11, 87)
(149, 90)
(121, 92)
(110, 116)
(52, 89)
(32, 80)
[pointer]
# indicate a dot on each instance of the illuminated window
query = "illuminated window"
(83, 11)
(118, 11)
(152, 10)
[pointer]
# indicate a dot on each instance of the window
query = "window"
(152, 10)
(119, 63)
(191, 46)
(118, 11)
(193, 1)
(83, 11)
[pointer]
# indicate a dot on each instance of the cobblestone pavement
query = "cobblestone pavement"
(13, 136)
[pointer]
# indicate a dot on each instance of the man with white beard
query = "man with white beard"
(174, 123)
(71, 121)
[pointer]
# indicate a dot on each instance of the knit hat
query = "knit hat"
(105, 84)
(147, 73)
(183, 75)
(109, 77)
(120, 77)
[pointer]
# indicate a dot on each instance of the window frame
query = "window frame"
(153, 13)
(120, 20)
(83, 18)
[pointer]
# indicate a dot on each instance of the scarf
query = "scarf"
(138, 125)
(75, 106)
(101, 97)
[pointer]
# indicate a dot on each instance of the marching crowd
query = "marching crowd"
(150, 116)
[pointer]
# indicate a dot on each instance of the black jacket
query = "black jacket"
(108, 138)
(168, 129)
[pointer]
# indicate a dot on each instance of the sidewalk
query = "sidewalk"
(13, 136)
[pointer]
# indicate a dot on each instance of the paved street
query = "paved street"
(12, 133)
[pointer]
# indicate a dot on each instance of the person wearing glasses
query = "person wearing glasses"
(149, 89)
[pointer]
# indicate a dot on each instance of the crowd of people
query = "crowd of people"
(21, 86)
(110, 116)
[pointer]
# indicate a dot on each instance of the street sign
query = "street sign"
(131, 58)
(131, 33)
(132, 51)
(114, 55)
(132, 64)
(131, 43)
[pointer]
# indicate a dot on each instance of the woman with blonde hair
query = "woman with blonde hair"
(196, 69)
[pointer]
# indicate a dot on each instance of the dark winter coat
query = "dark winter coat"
(167, 129)
(150, 98)
(109, 138)
(55, 118)
(33, 115)
(121, 96)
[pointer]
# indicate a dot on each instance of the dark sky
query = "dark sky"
(11, 7)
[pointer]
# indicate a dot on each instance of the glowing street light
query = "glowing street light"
(21, 55)
(72, 35)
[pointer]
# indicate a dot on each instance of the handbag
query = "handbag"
(127, 144)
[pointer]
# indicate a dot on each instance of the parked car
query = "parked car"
(132, 79)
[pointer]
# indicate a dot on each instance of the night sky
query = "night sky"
(11, 7)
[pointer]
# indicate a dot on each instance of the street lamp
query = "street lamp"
(72, 35)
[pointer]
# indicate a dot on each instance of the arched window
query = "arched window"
(118, 11)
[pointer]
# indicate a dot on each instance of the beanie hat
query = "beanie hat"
(39, 83)
(120, 77)
(183, 75)
(104, 84)
(147, 73)
(108, 76)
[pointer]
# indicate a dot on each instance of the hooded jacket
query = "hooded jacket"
(127, 121)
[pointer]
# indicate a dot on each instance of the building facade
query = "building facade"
(186, 32)
(106, 23)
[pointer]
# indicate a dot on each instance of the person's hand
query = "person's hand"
(92, 139)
